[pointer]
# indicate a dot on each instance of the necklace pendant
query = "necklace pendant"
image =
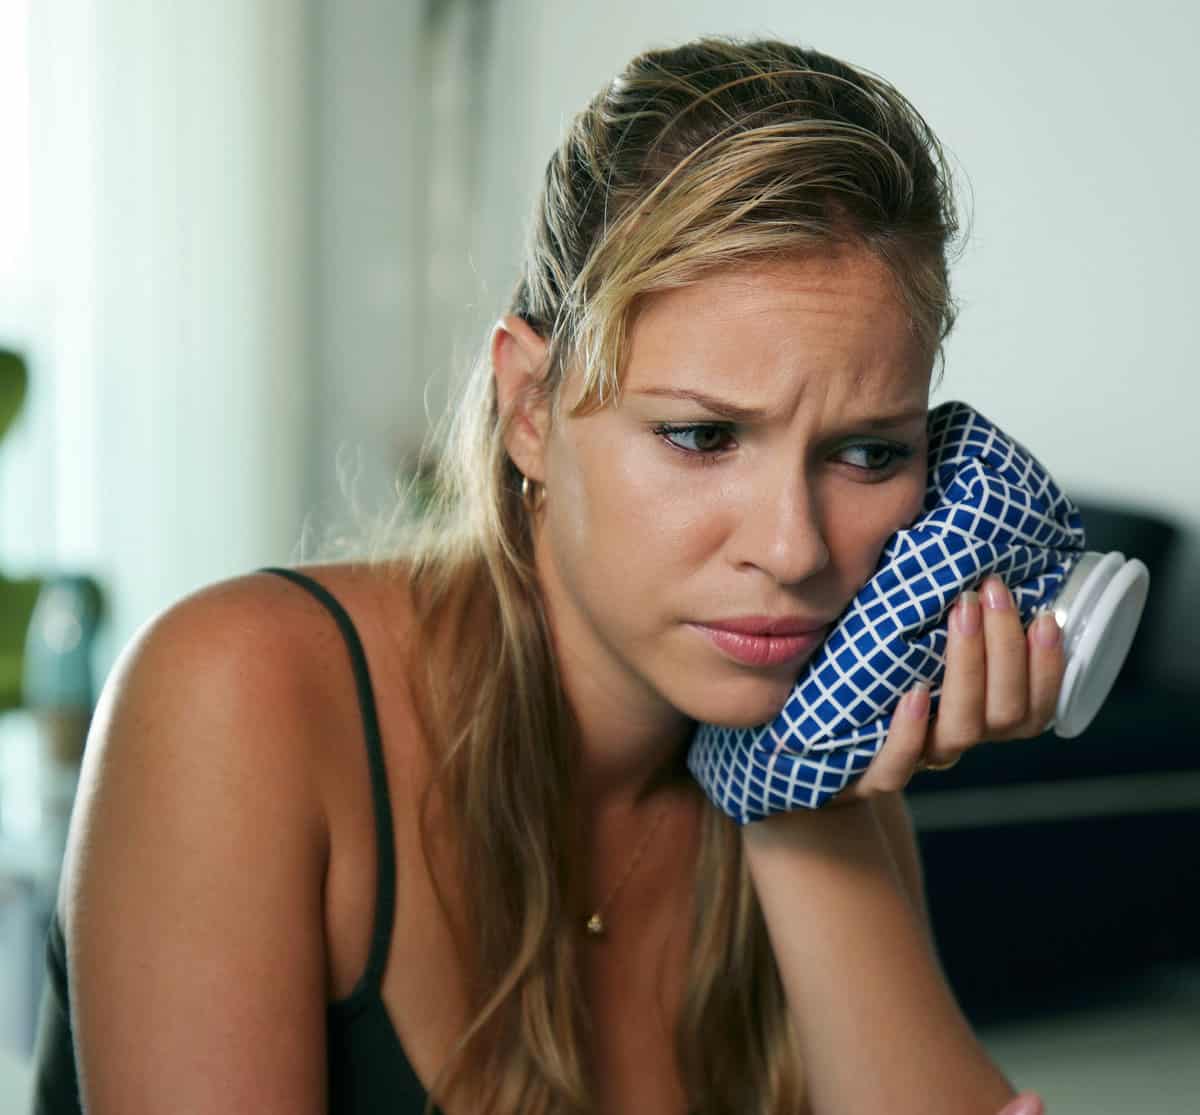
(595, 925)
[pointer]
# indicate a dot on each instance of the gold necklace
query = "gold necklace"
(595, 924)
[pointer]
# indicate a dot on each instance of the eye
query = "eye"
(700, 438)
(878, 456)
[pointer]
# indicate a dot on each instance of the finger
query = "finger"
(896, 761)
(959, 723)
(1047, 663)
(1027, 1103)
(1007, 652)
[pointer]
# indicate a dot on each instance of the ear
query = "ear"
(518, 356)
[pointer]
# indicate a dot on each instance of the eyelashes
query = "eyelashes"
(701, 431)
(704, 442)
(895, 454)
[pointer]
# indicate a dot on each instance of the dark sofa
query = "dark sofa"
(1054, 866)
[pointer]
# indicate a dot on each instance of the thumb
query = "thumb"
(1027, 1103)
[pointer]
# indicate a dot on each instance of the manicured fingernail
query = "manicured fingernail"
(916, 701)
(1046, 632)
(966, 613)
(995, 595)
(1027, 1103)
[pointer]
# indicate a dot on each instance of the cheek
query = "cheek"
(611, 529)
(863, 532)
(621, 504)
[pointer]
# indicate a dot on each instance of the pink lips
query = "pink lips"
(763, 641)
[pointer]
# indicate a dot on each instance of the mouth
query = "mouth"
(773, 648)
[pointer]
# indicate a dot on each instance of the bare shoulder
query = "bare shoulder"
(258, 644)
(197, 857)
(216, 682)
(198, 860)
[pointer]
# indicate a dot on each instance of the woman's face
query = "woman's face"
(769, 439)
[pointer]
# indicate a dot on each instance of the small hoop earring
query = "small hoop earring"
(532, 495)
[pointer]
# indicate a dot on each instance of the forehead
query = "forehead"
(837, 320)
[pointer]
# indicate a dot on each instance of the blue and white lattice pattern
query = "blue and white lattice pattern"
(990, 507)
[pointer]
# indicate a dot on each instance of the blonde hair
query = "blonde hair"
(713, 153)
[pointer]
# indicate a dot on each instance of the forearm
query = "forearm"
(879, 1029)
(891, 811)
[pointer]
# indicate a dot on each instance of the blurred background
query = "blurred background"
(248, 246)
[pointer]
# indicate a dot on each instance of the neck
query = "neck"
(607, 785)
(624, 763)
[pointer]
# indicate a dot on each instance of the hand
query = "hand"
(1001, 682)
(1027, 1103)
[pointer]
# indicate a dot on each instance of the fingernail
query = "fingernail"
(1028, 1103)
(916, 701)
(966, 613)
(995, 595)
(1046, 632)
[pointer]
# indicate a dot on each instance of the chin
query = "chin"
(742, 703)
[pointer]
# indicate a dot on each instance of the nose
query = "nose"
(781, 530)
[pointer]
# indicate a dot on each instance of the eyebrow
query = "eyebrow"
(709, 402)
(737, 413)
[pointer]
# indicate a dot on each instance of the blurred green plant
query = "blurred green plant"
(17, 596)
(14, 382)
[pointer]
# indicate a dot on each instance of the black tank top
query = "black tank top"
(369, 1073)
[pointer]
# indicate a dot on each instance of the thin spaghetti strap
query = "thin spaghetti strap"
(385, 890)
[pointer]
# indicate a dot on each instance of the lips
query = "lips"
(768, 625)
(782, 646)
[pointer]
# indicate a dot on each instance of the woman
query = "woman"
(698, 425)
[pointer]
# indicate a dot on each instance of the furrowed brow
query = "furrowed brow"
(722, 407)
(901, 418)
(736, 413)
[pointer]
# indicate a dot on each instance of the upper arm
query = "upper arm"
(191, 893)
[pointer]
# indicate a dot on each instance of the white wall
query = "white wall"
(160, 296)
(199, 336)
(1076, 126)
(367, 124)
(396, 111)
(219, 264)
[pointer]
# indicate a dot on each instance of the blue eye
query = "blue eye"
(890, 454)
(700, 438)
